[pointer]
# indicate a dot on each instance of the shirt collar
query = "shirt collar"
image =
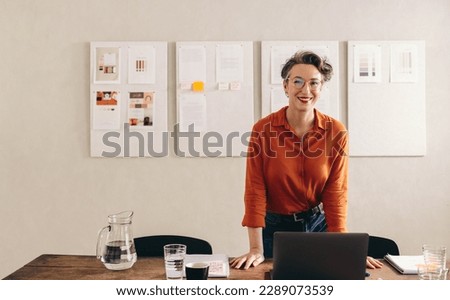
(279, 119)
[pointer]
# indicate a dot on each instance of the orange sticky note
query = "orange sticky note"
(198, 86)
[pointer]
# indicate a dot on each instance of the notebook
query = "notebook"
(319, 255)
(405, 264)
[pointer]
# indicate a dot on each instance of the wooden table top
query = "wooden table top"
(83, 267)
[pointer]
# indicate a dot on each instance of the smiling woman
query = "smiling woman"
(286, 189)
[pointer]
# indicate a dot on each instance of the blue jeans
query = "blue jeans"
(276, 222)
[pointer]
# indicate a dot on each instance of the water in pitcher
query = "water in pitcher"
(119, 255)
(115, 243)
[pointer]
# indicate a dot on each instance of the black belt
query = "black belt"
(300, 216)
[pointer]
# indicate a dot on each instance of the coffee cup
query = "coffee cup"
(197, 271)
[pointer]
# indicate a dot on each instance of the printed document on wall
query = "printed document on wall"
(140, 109)
(107, 65)
(192, 64)
(404, 63)
(367, 63)
(229, 63)
(192, 112)
(141, 64)
(106, 110)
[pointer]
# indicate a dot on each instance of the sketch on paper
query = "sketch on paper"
(404, 63)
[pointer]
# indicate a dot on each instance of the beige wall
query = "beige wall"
(54, 197)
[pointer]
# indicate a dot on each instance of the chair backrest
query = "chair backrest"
(380, 246)
(151, 246)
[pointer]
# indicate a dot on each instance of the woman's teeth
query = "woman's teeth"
(304, 99)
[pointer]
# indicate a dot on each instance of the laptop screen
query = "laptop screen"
(319, 255)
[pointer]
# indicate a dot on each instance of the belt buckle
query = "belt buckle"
(298, 217)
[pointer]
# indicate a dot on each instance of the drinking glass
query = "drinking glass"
(174, 261)
(435, 258)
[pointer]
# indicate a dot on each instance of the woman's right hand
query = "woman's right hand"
(252, 258)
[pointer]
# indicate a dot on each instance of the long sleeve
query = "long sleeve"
(255, 186)
(335, 193)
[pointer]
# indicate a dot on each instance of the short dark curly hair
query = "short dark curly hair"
(308, 58)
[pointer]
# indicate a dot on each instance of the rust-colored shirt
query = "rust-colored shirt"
(287, 174)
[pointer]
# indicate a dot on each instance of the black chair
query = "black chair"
(380, 246)
(151, 246)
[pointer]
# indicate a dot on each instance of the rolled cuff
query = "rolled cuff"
(254, 220)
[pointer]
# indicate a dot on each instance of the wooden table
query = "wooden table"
(82, 267)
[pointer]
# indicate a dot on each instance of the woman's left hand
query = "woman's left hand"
(372, 263)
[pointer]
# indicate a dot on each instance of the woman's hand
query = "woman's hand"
(372, 263)
(253, 258)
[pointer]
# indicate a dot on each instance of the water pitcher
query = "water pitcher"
(115, 243)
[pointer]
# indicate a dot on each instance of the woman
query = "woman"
(297, 165)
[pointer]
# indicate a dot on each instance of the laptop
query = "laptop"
(319, 256)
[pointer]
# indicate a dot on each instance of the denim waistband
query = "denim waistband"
(300, 216)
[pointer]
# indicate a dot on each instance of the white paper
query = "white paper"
(404, 63)
(405, 264)
(192, 110)
(235, 86)
(191, 64)
(229, 63)
(278, 99)
(141, 64)
(278, 57)
(223, 86)
(367, 63)
(107, 65)
(185, 86)
(106, 110)
(110, 59)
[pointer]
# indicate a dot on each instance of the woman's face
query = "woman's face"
(303, 87)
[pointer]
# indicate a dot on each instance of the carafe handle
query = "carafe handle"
(101, 240)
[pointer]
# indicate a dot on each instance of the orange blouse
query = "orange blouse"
(287, 174)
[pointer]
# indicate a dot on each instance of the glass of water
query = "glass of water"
(174, 261)
(435, 258)
(432, 272)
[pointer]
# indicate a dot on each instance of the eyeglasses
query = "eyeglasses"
(313, 84)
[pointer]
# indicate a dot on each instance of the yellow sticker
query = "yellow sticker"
(198, 86)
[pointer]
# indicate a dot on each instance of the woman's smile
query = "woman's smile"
(304, 99)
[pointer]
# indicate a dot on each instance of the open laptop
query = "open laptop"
(319, 255)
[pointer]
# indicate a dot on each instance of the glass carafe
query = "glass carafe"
(115, 243)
